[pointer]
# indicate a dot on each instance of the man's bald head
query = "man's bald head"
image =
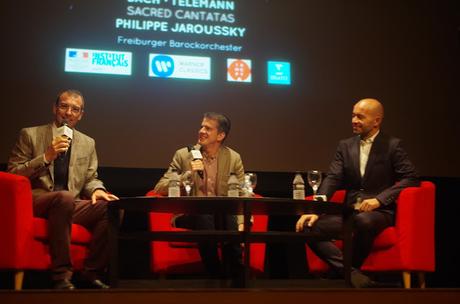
(367, 117)
(373, 106)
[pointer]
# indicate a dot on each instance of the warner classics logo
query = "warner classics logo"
(98, 61)
(162, 66)
(175, 66)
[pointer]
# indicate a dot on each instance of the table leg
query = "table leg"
(247, 245)
(347, 246)
(114, 227)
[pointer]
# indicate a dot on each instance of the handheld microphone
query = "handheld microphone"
(65, 131)
(196, 154)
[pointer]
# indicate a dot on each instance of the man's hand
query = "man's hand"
(100, 194)
(60, 144)
(241, 227)
(369, 205)
(309, 219)
(197, 165)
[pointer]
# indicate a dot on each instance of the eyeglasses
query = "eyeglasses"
(65, 107)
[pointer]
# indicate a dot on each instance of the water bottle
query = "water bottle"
(247, 186)
(174, 184)
(233, 186)
(298, 187)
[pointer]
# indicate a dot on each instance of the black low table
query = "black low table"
(219, 206)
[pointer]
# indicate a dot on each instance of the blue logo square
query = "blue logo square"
(279, 72)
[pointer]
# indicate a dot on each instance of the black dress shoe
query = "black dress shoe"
(63, 284)
(360, 280)
(97, 284)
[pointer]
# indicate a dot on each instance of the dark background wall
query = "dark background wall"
(406, 53)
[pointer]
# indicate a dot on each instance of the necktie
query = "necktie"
(61, 171)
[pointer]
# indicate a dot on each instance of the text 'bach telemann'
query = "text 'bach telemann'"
(207, 4)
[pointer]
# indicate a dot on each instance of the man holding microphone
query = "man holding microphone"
(61, 164)
(210, 173)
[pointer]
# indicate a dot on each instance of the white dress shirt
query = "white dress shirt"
(365, 148)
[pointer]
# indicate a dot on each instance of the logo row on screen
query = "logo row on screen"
(170, 66)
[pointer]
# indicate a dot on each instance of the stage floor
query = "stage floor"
(232, 296)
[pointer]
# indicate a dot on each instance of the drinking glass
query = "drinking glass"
(188, 184)
(314, 180)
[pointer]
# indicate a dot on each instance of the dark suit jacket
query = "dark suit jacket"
(27, 159)
(388, 171)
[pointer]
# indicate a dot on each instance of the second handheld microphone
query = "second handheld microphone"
(196, 154)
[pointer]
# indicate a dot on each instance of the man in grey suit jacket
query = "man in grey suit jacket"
(210, 177)
(65, 187)
(373, 168)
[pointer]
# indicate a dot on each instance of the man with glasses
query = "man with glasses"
(65, 188)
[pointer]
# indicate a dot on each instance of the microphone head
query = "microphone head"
(65, 130)
(64, 122)
(196, 153)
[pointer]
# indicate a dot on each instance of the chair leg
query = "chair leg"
(406, 279)
(421, 279)
(18, 279)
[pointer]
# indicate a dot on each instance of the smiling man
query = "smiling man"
(65, 188)
(210, 176)
(373, 168)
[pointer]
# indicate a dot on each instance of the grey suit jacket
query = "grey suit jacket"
(388, 171)
(228, 161)
(27, 159)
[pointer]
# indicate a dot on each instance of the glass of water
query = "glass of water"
(188, 184)
(314, 180)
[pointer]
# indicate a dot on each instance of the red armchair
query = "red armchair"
(23, 237)
(184, 257)
(406, 247)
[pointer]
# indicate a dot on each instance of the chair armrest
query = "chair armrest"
(415, 222)
(16, 219)
(159, 221)
(153, 193)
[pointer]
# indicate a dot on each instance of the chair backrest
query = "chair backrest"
(173, 253)
(16, 216)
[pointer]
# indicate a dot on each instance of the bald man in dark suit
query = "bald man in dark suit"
(373, 168)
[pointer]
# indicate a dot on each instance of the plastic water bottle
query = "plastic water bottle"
(298, 187)
(174, 184)
(247, 186)
(233, 186)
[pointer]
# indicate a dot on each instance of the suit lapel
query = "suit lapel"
(47, 140)
(355, 153)
(375, 148)
(73, 158)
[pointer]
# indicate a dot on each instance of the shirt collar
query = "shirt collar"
(371, 139)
